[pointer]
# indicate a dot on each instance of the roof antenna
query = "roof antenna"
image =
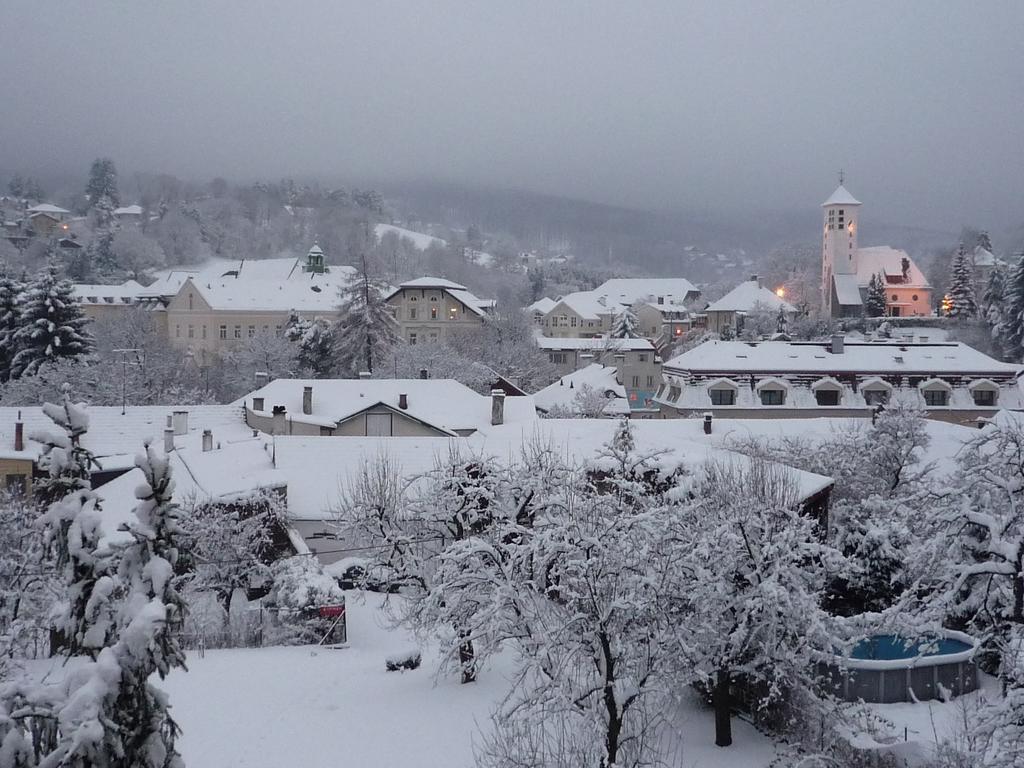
(842, 176)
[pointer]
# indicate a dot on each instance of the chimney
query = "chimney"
(19, 436)
(280, 426)
(168, 440)
(837, 344)
(364, 374)
(497, 407)
(423, 373)
(307, 400)
(180, 422)
(262, 379)
(207, 440)
(707, 423)
(403, 401)
(755, 279)
(257, 403)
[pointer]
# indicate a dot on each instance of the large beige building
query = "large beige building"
(636, 362)
(429, 309)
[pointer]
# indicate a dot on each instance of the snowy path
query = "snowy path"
(320, 708)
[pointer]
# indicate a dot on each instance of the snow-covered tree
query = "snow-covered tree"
(507, 344)
(626, 325)
(963, 304)
(781, 321)
(984, 241)
(748, 582)
(265, 352)
(366, 329)
(315, 341)
(299, 587)
(51, 325)
(1011, 332)
(231, 545)
(875, 300)
(103, 182)
(993, 303)
(10, 310)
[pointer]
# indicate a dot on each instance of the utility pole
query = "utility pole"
(124, 376)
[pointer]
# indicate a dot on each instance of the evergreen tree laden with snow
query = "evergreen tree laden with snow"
(51, 325)
(875, 301)
(366, 328)
(1011, 331)
(10, 310)
(316, 344)
(103, 183)
(626, 325)
(963, 304)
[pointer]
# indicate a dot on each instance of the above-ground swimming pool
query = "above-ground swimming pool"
(886, 669)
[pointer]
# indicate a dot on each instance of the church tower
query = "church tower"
(839, 239)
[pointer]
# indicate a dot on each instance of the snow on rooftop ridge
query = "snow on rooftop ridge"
(433, 282)
(600, 378)
(841, 196)
(886, 260)
(749, 296)
(629, 290)
(47, 208)
(542, 305)
(128, 210)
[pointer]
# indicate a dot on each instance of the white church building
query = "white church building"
(846, 269)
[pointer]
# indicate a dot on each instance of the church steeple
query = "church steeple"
(839, 238)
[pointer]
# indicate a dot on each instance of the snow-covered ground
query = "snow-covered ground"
(319, 708)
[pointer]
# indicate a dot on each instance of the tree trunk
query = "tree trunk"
(467, 661)
(723, 709)
(614, 730)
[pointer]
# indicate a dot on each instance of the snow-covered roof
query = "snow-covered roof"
(841, 196)
(444, 404)
(596, 343)
(847, 290)
(543, 305)
(629, 290)
(857, 357)
(419, 239)
(600, 378)
(458, 292)
(128, 210)
(91, 293)
(985, 258)
(327, 467)
(276, 285)
(587, 304)
(882, 259)
(112, 434)
(47, 208)
(750, 296)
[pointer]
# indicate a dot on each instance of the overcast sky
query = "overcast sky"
(740, 106)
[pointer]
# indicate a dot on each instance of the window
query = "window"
(726, 396)
(642, 357)
(936, 397)
(266, 329)
(433, 298)
(278, 330)
(984, 397)
(558, 358)
(914, 297)
(876, 396)
(252, 331)
(650, 381)
(223, 331)
(238, 331)
(378, 425)
(895, 297)
(190, 301)
(412, 298)
(674, 393)
(433, 313)
(572, 321)
(177, 331)
(661, 299)
(827, 396)
(433, 337)
(636, 382)
(326, 431)
(412, 313)
(204, 332)
(191, 332)
(772, 397)
(412, 339)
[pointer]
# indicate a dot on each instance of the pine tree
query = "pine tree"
(984, 241)
(875, 301)
(50, 324)
(103, 182)
(1011, 333)
(963, 305)
(10, 298)
(625, 326)
(316, 344)
(993, 302)
(366, 328)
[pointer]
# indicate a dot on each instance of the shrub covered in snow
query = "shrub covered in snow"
(408, 659)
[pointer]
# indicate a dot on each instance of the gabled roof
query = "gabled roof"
(586, 304)
(442, 403)
(750, 296)
(432, 282)
(841, 196)
(542, 305)
(600, 378)
(128, 210)
(458, 292)
(47, 208)
(95, 294)
(985, 258)
(629, 290)
(882, 259)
